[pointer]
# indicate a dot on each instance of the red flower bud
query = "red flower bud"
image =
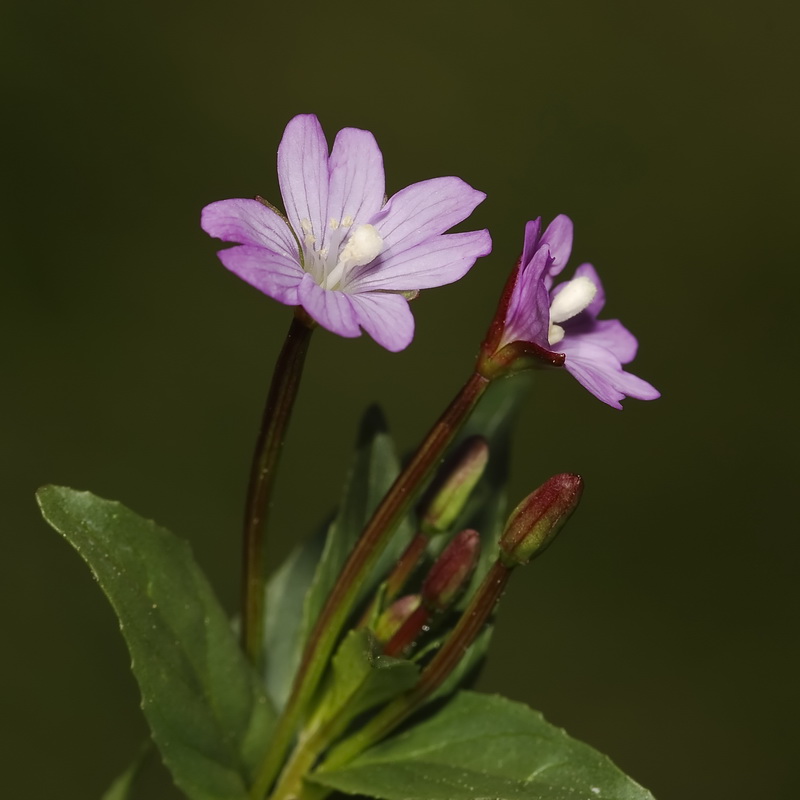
(391, 620)
(451, 571)
(534, 523)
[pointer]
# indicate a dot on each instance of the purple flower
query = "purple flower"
(563, 319)
(348, 257)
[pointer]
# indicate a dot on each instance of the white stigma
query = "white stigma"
(575, 297)
(364, 245)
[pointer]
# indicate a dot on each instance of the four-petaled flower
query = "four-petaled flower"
(346, 255)
(561, 322)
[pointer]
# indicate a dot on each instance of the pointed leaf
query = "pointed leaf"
(122, 788)
(483, 746)
(362, 678)
(374, 468)
(207, 712)
(284, 632)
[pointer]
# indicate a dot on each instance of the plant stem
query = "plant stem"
(274, 423)
(370, 545)
(463, 635)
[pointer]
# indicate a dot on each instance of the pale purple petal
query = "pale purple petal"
(357, 183)
(558, 237)
(249, 222)
(588, 271)
(599, 371)
(439, 261)
(303, 175)
(608, 333)
(271, 273)
(424, 210)
(531, 241)
(528, 313)
(333, 310)
(387, 318)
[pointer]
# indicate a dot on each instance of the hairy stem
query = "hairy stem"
(274, 423)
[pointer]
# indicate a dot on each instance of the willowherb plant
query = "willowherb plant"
(344, 649)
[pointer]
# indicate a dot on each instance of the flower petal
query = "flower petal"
(249, 222)
(435, 262)
(599, 371)
(531, 241)
(424, 210)
(558, 237)
(303, 175)
(331, 309)
(387, 318)
(357, 182)
(528, 313)
(271, 273)
(608, 333)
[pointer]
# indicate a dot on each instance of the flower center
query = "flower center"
(330, 265)
(576, 296)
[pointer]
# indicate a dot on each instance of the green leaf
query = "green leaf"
(122, 787)
(479, 747)
(206, 710)
(373, 471)
(284, 631)
(362, 678)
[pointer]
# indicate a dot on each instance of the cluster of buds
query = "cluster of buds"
(530, 529)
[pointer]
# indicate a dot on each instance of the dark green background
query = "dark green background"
(661, 628)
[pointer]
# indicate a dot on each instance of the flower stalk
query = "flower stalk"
(530, 529)
(370, 545)
(274, 424)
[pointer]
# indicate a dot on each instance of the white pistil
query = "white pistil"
(364, 245)
(575, 297)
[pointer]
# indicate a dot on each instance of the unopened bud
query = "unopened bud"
(451, 571)
(391, 620)
(453, 485)
(534, 523)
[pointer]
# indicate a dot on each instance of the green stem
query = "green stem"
(275, 421)
(463, 635)
(370, 545)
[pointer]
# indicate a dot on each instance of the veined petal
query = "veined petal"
(249, 222)
(531, 241)
(330, 309)
(273, 274)
(357, 182)
(528, 313)
(303, 175)
(436, 262)
(558, 237)
(424, 210)
(387, 318)
(599, 371)
(608, 333)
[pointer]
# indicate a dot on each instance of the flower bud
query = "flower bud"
(451, 571)
(453, 485)
(534, 523)
(391, 620)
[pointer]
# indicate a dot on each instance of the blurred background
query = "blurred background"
(662, 627)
